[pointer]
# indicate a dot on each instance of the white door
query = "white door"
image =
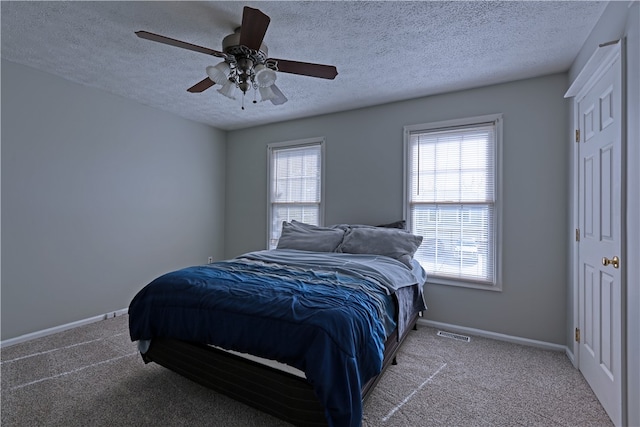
(600, 260)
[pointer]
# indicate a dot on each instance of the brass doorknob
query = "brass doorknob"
(615, 261)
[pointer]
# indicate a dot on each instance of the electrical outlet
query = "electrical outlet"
(210, 260)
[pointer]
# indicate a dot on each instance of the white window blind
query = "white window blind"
(295, 181)
(451, 180)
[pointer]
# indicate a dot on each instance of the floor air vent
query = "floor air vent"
(454, 336)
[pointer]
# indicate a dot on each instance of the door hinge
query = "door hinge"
(577, 135)
(577, 335)
(577, 234)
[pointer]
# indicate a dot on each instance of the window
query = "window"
(452, 190)
(295, 185)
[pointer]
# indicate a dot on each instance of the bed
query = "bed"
(302, 332)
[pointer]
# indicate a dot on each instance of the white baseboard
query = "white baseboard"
(572, 357)
(56, 329)
(430, 323)
(493, 335)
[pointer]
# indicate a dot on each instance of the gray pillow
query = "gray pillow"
(394, 243)
(307, 237)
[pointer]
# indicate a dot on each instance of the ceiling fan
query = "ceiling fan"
(246, 63)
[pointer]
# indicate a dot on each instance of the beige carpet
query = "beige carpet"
(93, 376)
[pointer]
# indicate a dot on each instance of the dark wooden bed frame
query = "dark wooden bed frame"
(281, 394)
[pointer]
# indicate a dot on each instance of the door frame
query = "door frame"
(599, 62)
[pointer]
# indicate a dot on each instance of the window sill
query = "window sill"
(464, 284)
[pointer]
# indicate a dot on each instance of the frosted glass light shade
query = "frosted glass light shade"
(228, 89)
(265, 76)
(266, 94)
(219, 73)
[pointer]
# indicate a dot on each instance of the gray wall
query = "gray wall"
(364, 185)
(621, 20)
(99, 196)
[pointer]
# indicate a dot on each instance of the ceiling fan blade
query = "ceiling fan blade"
(177, 43)
(201, 86)
(280, 98)
(306, 68)
(254, 27)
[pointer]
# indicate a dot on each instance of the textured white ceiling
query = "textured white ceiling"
(384, 51)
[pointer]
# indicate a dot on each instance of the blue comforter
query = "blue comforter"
(327, 314)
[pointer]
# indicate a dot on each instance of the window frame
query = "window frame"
(497, 219)
(299, 143)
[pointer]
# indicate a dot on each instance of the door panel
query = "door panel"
(607, 310)
(600, 185)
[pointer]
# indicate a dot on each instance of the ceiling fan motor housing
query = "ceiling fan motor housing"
(231, 45)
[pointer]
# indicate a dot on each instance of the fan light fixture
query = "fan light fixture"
(219, 72)
(242, 74)
(266, 93)
(265, 77)
(244, 69)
